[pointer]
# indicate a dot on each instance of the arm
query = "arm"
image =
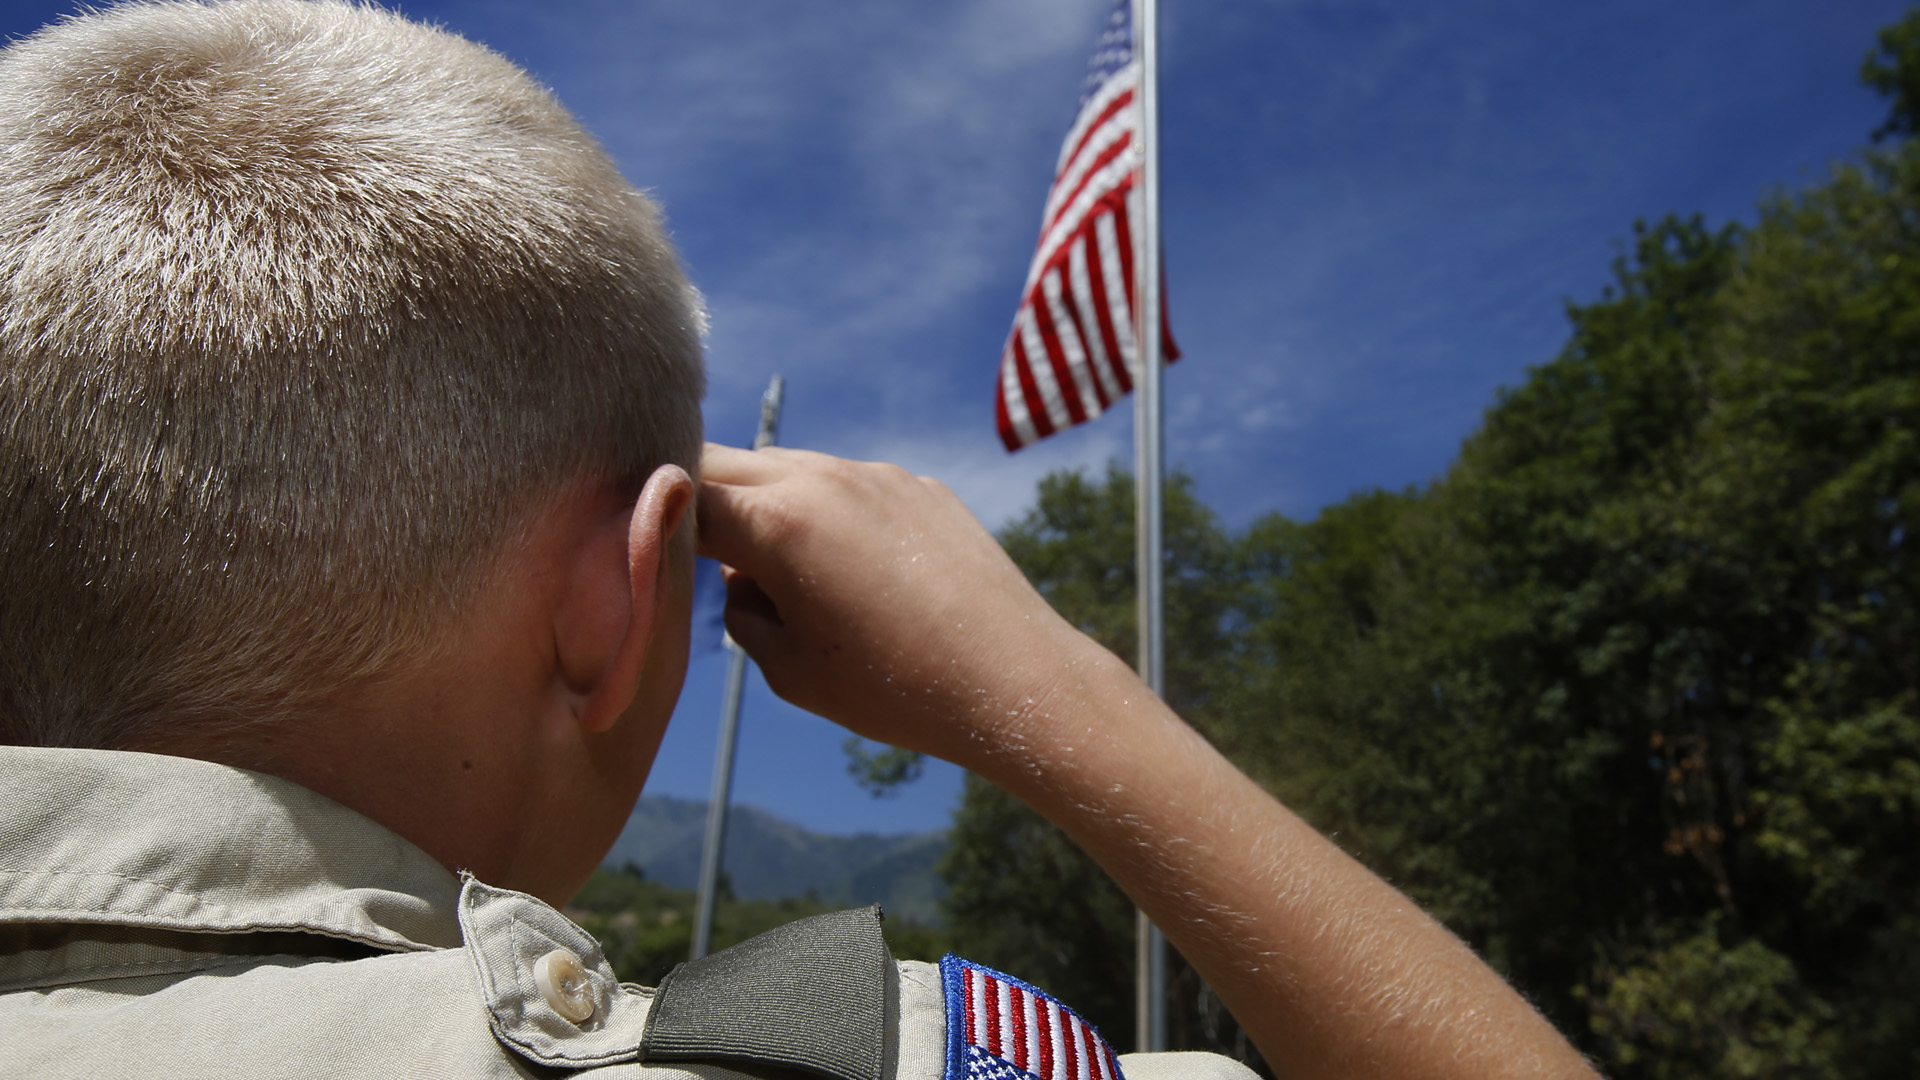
(873, 598)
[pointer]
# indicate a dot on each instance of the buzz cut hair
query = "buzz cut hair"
(306, 310)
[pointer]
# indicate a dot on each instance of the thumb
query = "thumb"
(753, 621)
(728, 535)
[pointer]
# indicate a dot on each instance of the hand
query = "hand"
(872, 597)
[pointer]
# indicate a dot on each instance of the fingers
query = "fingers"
(752, 619)
(737, 503)
(732, 465)
(722, 528)
(870, 596)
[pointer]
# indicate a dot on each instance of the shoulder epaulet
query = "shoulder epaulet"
(809, 995)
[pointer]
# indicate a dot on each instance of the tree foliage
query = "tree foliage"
(646, 927)
(1630, 697)
(1893, 68)
(1021, 896)
(881, 772)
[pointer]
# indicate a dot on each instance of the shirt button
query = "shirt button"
(565, 985)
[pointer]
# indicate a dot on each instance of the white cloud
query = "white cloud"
(1374, 207)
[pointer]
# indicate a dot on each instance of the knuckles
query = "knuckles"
(776, 522)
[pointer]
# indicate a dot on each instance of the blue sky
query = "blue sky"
(1375, 213)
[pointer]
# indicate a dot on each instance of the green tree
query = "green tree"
(1630, 697)
(646, 927)
(881, 772)
(1893, 68)
(1697, 1007)
(1021, 896)
(1808, 489)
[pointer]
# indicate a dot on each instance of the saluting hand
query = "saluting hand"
(874, 598)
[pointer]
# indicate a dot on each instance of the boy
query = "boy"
(348, 440)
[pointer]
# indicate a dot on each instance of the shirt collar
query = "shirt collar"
(112, 837)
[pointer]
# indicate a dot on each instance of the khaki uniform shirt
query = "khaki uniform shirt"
(166, 917)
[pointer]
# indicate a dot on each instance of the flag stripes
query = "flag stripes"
(1006, 1023)
(1070, 354)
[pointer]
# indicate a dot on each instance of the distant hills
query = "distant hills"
(768, 858)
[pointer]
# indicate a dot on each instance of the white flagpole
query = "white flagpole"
(713, 845)
(1148, 473)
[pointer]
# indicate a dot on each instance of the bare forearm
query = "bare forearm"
(1331, 970)
(873, 598)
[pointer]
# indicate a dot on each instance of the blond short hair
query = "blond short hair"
(304, 310)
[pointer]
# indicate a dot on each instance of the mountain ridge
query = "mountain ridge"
(768, 857)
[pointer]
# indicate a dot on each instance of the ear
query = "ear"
(611, 620)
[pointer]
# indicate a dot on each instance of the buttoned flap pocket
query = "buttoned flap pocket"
(550, 994)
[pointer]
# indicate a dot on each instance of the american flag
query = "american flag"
(999, 1028)
(1071, 352)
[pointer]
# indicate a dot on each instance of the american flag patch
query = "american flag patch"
(999, 1028)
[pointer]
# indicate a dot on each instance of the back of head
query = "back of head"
(303, 310)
